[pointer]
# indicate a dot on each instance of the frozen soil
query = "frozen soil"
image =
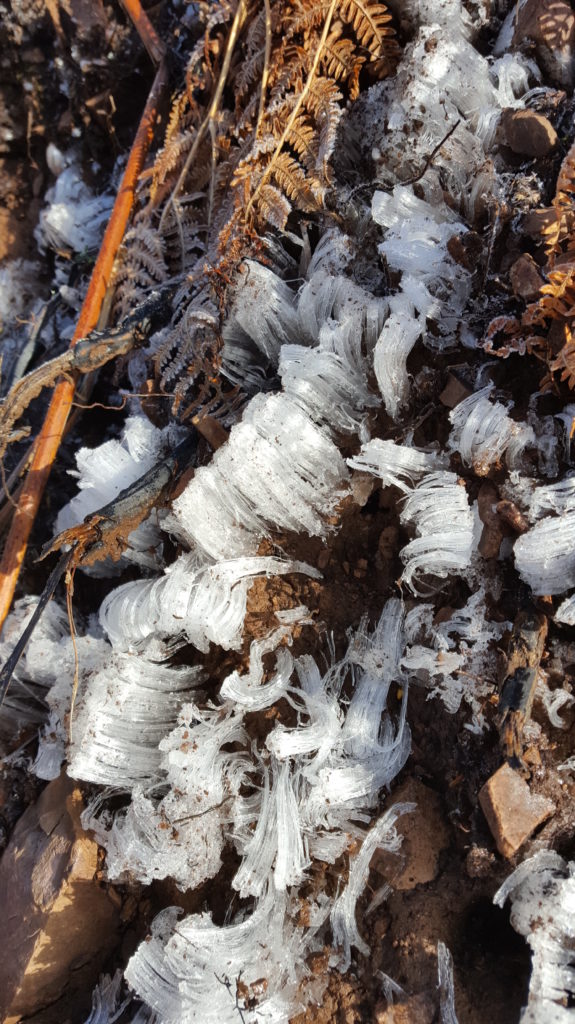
(449, 869)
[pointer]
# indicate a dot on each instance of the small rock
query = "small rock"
(425, 835)
(323, 559)
(417, 1009)
(479, 862)
(454, 392)
(59, 923)
(525, 278)
(527, 133)
(492, 533)
(362, 485)
(512, 811)
(551, 26)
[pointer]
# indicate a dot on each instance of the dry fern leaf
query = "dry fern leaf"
(141, 265)
(557, 300)
(564, 362)
(342, 63)
(303, 139)
(301, 190)
(566, 177)
(274, 207)
(371, 24)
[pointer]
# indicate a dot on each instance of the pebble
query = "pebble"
(527, 133)
(59, 923)
(492, 533)
(323, 559)
(425, 834)
(454, 392)
(512, 811)
(417, 1009)
(362, 485)
(525, 278)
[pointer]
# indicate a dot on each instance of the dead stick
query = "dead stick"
(61, 403)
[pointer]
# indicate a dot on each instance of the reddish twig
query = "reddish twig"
(52, 430)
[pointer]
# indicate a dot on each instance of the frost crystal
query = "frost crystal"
(542, 894)
(545, 555)
(439, 511)
(193, 602)
(129, 707)
(278, 470)
(105, 471)
(75, 218)
(384, 836)
(483, 432)
(445, 984)
(396, 465)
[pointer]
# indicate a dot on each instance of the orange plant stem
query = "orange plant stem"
(145, 29)
(61, 402)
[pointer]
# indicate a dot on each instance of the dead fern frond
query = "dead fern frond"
(295, 184)
(343, 63)
(371, 23)
(249, 141)
(566, 177)
(564, 362)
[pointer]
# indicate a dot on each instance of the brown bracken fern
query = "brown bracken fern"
(248, 144)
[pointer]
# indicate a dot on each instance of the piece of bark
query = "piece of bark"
(59, 922)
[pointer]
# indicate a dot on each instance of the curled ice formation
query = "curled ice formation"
(105, 471)
(483, 433)
(277, 471)
(439, 510)
(188, 970)
(396, 465)
(542, 894)
(545, 555)
(382, 835)
(128, 708)
(195, 602)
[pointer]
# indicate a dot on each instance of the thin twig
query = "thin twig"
(266, 68)
(429, 160)
(51, 584)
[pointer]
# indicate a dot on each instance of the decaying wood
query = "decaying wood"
(526, 647)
